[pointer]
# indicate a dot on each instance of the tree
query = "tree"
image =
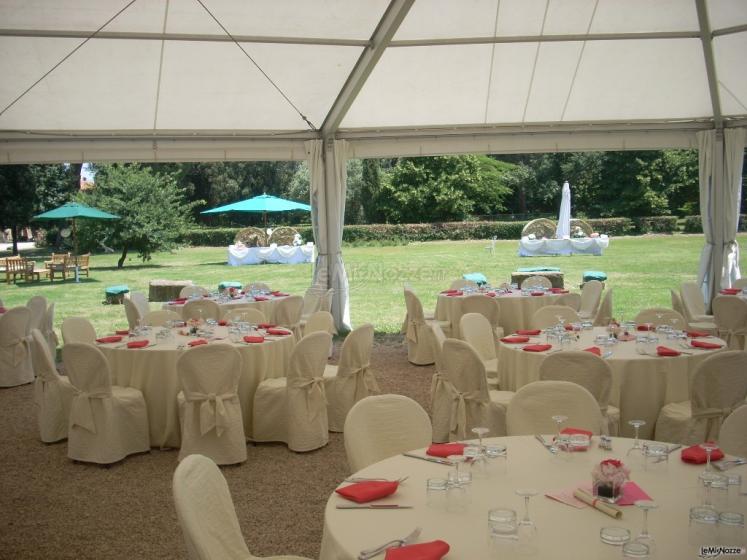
(18, 193)
(152, 208)
(371, 190)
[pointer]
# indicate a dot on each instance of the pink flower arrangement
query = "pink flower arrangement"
(611, 471)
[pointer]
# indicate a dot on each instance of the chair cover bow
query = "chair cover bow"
(316, 398)
(458, 420)
(81, 411)
(412, 329)
(212, 410)
(365, 382)
(19, 348)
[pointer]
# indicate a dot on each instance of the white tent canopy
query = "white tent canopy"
(184, 80)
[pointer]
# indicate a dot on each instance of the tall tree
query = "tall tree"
(19, 199)
(371, 190)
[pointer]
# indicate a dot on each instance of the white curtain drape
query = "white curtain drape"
(720, 160)
(564, 217)
(328, 189)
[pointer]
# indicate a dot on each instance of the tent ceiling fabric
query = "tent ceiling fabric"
(163, 74)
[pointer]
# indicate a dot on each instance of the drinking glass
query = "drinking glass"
(459, 477)
(644, 536)
(635, 549)
(734, 491)
(702, 528)
(730, 528)
(474, 456)
(435, 492)
(502, 527)
(480, 433)
(637, 448)
(714, 488)
(656, 457)
(527, 527)
(497, 458)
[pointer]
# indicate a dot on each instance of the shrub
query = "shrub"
(693, 224)
(612, 226)
(656, 224)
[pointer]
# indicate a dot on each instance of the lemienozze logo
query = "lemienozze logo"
(716, 551)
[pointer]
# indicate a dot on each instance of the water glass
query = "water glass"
(702, 529)
(714, 488)
(502, 527)
(641, 344)
(635, 550)
(587, 325)
(734, 491)
(730, 528)
(435, 492)
(656, 457)
(457, 497)
(578, 442)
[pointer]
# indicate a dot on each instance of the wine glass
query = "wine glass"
(644, 537)
(480, 433)
(708, 447)
(457, 477)
(527, 527)
(558, 419)
(637, 448)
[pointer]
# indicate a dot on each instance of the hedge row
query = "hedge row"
(407, 233)
(693, 224)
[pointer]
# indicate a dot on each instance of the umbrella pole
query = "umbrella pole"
(75, 251)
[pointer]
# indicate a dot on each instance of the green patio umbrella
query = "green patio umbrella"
(263, 203)
(72, 211)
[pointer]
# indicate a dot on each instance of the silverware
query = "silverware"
(546, 445)
(371, 552)
(673, 448)
(375, 506)
(363, 479)
(431, 459)
(726, 465)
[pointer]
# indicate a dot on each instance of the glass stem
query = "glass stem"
(526, 508)
(708, 459)
(636, 445)
(644, 533)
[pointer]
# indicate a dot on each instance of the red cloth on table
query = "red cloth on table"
(122, 331)
(109, 339)
(178, 301)
(197, 342)
(515, 339)
(645, 328)
(594, 350)
(558, 291)
(665, 351)
(536, 293)
(279, 294)
(706, 345)
(537, 347)
(254, 339)
(697, 334)
(730, 291)
(137, 344)
(266, 326)
(445, 449)
(434, 550)
(261, 298)
(457, 293)
(697, 455)
(368, 491)
(528, 332)
(279, 332)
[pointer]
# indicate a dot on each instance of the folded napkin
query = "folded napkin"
(529, 332)
(697, 334)
(368, 491)
(122, 331)
(457, 293)
(730, 291)
(665, 351)
(109, 339)
(445, 449)
(279, 294)
(558, 291)
(568, 327)
(261, 298)
(197, 342)
(254, 339)
(704, 344)
(266, 326)
(490, 294)
(178, 301)
(223, 323)
(537, 347)
(594, 350)
(697, 455)
(575, 431)
(2, 309)
(434, 550)
(515, 339)
(537, 293)
(138, 344)
(449, 291)
(645, 328)
(279, 332)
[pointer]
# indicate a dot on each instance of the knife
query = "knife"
(430, 459)
(376, 506)
(546, 445)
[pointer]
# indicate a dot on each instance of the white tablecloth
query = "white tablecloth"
(641, 384)
(581, 246)
(516, 310)
(153, 371)
(563, 532)
(266, 306)
(282, 254)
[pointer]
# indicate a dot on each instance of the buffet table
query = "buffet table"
(274, 254)
(563, 532)
(152, 370)
(641, 384)
(576, 246)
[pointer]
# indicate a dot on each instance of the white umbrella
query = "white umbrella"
(564, 218)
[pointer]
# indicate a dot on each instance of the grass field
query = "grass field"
(640, 269)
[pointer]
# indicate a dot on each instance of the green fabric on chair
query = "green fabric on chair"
(476, 277)
(538, 269)
(117, 290)
(594, 275)
(225, 285)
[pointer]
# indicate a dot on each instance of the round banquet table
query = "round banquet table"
(516, 309)
(563, 531)
(641, 384)
(266, 306)
(152, 370)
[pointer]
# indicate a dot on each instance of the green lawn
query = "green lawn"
(641, 269)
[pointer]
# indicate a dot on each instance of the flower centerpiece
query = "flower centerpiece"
(579, 233)
(232, 292)
(608, 479)
(194, 325)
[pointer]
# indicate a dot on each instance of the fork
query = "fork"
(371, 552)
(363, 479)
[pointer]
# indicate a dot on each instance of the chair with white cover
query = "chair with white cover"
(352, 379)
(132, 313)
(460, 399)
(107, 422)
(15, 358)
(592, 373)
(536, 281)
(77, 329)
(732, 438)
(533, 406)
(320, 321)
(207, 515)
(53, 393)
(48, 329)
(719, 386)
(604, 311)
(661, 316)
(461, 283)
(486, 306)
(679, 307)
(141, 302)
(730, 314)
(418, 335)
(437, 342)
(209, 409)
(243, 314)
(692, 299)
(192, 291)
(741, 283)
(288, 313)
(293, 409)
(160, 318)
(200, 309)
(38, 307)
(476, 330)
(591, 294)
(383, 426)
(257, 287)
(572, 300)
(548, 316)
(312, 301)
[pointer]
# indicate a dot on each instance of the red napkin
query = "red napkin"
(279, 294)
(223, 323)
(449, 291)
(445, 449)
(515, 339)
(558, 291)
(137, 344)
(261, 298)
(197, 342)
(537, 347)
(664, 351)
(568, 327)
(574, 431)
(529, 332)
(537, 293)
(109, 339)
(368, 491)
(178, 301)
(490, 294)
(266, 326)
(697, 455)
(254, 339)
(279, 332)
(644, 328)
(594, 350)
(730, 291)
(697, 334)
(123, 331)
(704, 344)
(457, 293)
(2, 310)
(434, 550)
